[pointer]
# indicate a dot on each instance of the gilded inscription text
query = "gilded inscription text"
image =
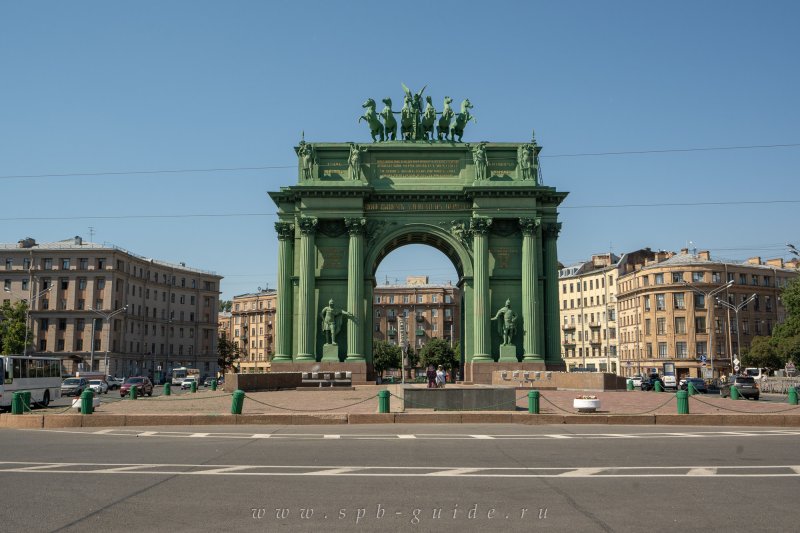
(416, 206)
(418, 168)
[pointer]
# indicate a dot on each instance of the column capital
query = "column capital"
(552, 229)
(308, 225)
(480, 225)
(356, 225)
(529, 225)
(285, 230)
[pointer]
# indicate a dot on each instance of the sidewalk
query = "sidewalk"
(360, 405)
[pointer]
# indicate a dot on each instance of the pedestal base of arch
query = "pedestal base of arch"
(363, 373)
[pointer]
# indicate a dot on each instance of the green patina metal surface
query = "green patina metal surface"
(482, 205)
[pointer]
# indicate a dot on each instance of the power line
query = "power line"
(233, 215)
(272, 167)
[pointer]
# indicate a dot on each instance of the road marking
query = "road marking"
(701, 472)
(199, 434)
(332, 436)
(147, 434)
(261, 435)
(582, 472)
(649, 472)
(103, 431)
(481, 436)
(559, 436)
(404, 436)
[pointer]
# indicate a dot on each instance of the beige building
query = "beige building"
(416, 312)
(668, 311)
(92, 303)
(252, 328)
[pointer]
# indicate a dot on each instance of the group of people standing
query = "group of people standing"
(436, 377)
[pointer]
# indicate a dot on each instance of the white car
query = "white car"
(637, 381)
(187, 383)
(98, 386)
(114, 382)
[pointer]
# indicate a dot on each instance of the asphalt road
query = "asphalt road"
(400, 478)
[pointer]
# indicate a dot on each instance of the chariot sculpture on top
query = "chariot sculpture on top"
(417, 124)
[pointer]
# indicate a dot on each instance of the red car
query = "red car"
(143, 386)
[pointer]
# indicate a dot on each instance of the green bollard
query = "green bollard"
(690, 388)
(238, 402)
(167, 388)
(213, 384)
(683, 402)
(658, 387)
(133, 392)
(792, 396)
(193, 386)
(26, 400)
(17, 405)
(533, 402)
(629, 384)
(87, 402)
(734, 393)
(383, 401)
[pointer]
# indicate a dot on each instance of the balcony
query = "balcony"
(391, 318)
(420, 332)
(420, 318)
(392, 332)
(568, 327)
(595, 341)
(594, 324)
(569, 343)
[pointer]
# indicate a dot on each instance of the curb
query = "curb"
(33, 421)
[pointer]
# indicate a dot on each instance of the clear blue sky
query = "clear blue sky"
(115, 87)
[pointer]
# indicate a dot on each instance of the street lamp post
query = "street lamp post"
(708, 295)
(736, 309)
(28, 316)
(107, 317)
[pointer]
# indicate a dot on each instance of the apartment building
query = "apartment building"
(415, 312)
(696, 312)
(101, 307)
(252, 328)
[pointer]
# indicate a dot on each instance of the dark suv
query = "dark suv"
(649, 383)
(143, 386)
(746, 385)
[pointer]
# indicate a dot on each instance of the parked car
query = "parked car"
(699, 385)
(637, 380)
(746, 385)
(114, 382)
(649, 382)
(143, 386)
(187, 382)
(98, 386)
(207, 382)
(73, 386)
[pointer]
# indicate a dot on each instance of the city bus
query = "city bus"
(39, 375)
(181, 373)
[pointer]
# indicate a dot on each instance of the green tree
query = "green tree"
(385, 355)
(227, 353)
(413, 357)
(12, 327)
(763, 354)
(225, 306)
(438, 352)
(784, 345)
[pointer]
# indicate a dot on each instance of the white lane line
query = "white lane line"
(147, 434)
(582, 472)
(331, 471)
(199, 435)
(42, 467)
(333, 436)
(702, 472)
(796, 469)
(482, 437)
(455, 472)
(122, 469)
(559, 436)
(261, 435)
(103, 431)
(223, 470)
(406, 436)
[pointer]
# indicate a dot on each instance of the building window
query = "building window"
(662, 350)
(680, 303)
(661, 326)
(649, 350)
(700, 324)
(101, 283)
(680, 325)
(701, 349)
(377, 299)
(448, 299)
(680, 350)
(647, 326)
(698, 277)
(715, 277)
(101, 263)
(419, 299)
(659, 279)
(677, 277)
(7, 285)
(48, 263)
(647, 302)
(660, 302)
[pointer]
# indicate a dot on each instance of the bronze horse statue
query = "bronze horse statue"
(375, 126)
(428, 119)
(408, 116)
(443, 129)
(389, 122)
(458, 125)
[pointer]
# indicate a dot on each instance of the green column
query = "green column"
(530, 296)
(551, 322)
(355, 286)
(481, 313)
(283, 314)
(307, 311)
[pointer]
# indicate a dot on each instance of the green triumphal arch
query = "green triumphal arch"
(481, 204)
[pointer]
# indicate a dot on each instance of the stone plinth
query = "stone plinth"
(508, 353)
(481, 373)
(459, 399)
(363, 373)
(330, 353)
(266, 381)
(537, 379)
